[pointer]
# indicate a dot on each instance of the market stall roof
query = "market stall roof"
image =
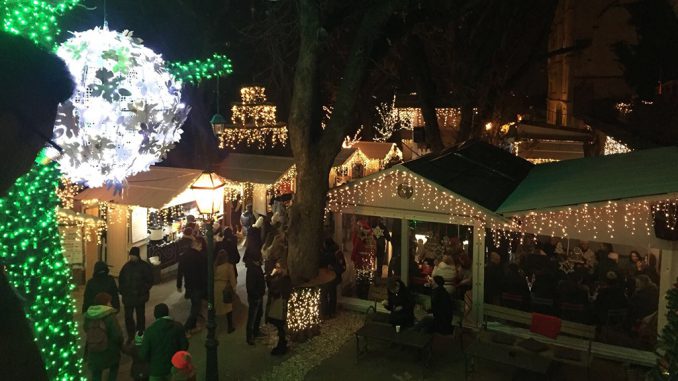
(596, 179)
(260, 169)
(343, 156)
(152, 189)
(374, 150)
(543, 131)
(478, 171)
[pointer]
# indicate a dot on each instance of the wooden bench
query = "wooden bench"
(572, 346)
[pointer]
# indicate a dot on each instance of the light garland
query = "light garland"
(349, 141)
(613, 146)
(30, 249)
(89, 225)
(66, 191)
(253, 122)
(196, 71)
(448, 117)
(303, 312)
(126, 112)
(34, 19)
(389, 121)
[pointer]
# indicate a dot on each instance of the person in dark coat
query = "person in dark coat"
(192, 273)
(516, 285)
(333, 259)
(247, 219)
(136, 280)
(400, 303)
(494, 277)
(161, 341)
(645, 299)
(100, 282)
(229, 244)
(382, 237)
(278, 295)
(101, 316)
(441, 307)
(254, 242)
(610, 297)
(256, 288)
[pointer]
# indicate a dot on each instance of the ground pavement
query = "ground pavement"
(330, 356)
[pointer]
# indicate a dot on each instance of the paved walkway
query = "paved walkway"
(331, 356)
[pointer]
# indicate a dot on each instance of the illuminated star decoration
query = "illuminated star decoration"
(378, 232)
(126, 113)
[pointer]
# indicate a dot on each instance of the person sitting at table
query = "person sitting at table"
(645, 299)
(441, 308)
(494, 277)
(608, 262)
(448, 271)
(610, 297)
(572, 291)
(515, 285)
(465, 276)
(400, 303)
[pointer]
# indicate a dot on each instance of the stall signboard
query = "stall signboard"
(72, 244)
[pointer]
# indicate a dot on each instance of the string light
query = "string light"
(31, 251)
(303, 311)
(89, 225)
(389, 121)
(253, 122)
(613, 146)
(66, 191)
(196, 71)
(349, 141)
(35, 20)
(448, 117)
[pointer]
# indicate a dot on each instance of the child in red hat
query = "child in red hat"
(182, 367)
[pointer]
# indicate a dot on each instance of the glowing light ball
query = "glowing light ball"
(125, 114)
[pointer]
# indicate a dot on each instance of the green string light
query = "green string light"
(33, 19)
(30, 247)
(197, 70)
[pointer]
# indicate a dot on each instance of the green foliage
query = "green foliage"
(30, 247)
(667, 348)
(197, 70)
(655, 57)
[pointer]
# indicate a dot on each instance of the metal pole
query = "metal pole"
(212, 370)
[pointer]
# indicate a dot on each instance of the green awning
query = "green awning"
(636, 174)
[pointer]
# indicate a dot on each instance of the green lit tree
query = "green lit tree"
(30, 249)
(667, 348)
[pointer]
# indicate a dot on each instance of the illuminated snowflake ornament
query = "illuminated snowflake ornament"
(125, 114)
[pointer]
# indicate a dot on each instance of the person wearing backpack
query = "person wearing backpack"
(103, 338)
(333, 259)
(162, 340)
(136, 280)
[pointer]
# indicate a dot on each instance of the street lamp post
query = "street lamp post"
(209, 195)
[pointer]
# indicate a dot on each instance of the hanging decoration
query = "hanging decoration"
(126, 112)
(253, 122)
(303, 313)
(66, 191)
(196, 71)
(90, 226)
(30, 248)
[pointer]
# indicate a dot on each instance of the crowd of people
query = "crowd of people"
(159, 350)
(592, 287)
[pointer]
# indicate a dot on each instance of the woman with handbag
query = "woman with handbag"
(225, 282)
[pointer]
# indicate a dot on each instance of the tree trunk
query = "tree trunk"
(426, 92)
(466, 123)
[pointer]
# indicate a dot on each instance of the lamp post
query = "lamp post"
(209, 195)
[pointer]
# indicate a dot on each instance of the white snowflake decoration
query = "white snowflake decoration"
(126, 112)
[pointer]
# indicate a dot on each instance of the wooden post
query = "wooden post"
(404, 251)
(668, 271)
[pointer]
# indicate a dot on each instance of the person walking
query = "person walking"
(276, 313)
(103, 338)
(225, 284)
(100, 282)
(162, 340)
(256, 288)
(254, 242)
(192, 273)
(136, 280)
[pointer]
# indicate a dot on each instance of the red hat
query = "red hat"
(182, 361)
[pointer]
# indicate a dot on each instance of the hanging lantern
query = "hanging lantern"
(208, 190)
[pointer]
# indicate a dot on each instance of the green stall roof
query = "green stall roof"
(596, 179)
